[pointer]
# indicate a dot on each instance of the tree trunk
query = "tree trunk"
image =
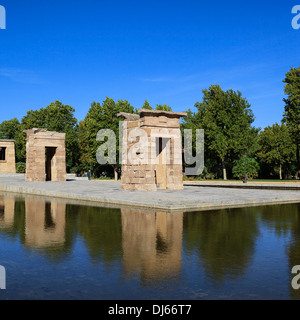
(116, 173)
(298, 162)
(280, 172)
(224, 170)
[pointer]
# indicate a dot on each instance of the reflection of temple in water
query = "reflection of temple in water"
(39, 224)
(45, 223)
(151, 244)
(220, 244)
(7, 211)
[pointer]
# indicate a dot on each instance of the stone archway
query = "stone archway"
(45, 155)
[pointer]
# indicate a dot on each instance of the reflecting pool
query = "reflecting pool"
(52, 249)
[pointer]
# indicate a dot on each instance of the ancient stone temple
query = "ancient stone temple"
(45, 155)
(151, 150)
(7, 156)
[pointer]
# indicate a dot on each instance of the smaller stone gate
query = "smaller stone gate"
(45, 155)
(7, 156)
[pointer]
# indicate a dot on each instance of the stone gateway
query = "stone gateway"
(151, 150)
(45, 155)
(7, 156)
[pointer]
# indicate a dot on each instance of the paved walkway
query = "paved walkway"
(190, 199)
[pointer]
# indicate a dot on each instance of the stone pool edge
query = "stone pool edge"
(86, 200)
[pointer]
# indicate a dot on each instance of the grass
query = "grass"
(236, 180)
(103, 178)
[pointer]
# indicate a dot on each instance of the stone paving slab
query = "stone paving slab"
(109, 193)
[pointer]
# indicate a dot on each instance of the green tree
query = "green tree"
(226, 118)
(163, 107)
(55, 117)
(146, 105)
(276, 147)
(101, 117)
(192, 122)
(11, 129)
(252, 168)
(291, 114)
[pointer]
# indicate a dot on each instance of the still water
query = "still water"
(52, 249)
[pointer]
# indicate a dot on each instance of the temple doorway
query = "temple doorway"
(50, 156)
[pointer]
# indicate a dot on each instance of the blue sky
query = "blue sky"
(163, 51)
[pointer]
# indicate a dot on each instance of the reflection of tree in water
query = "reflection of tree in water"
(280, 218)
(284, 220)
(101, 229)
(224, 240)
(293, 250)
